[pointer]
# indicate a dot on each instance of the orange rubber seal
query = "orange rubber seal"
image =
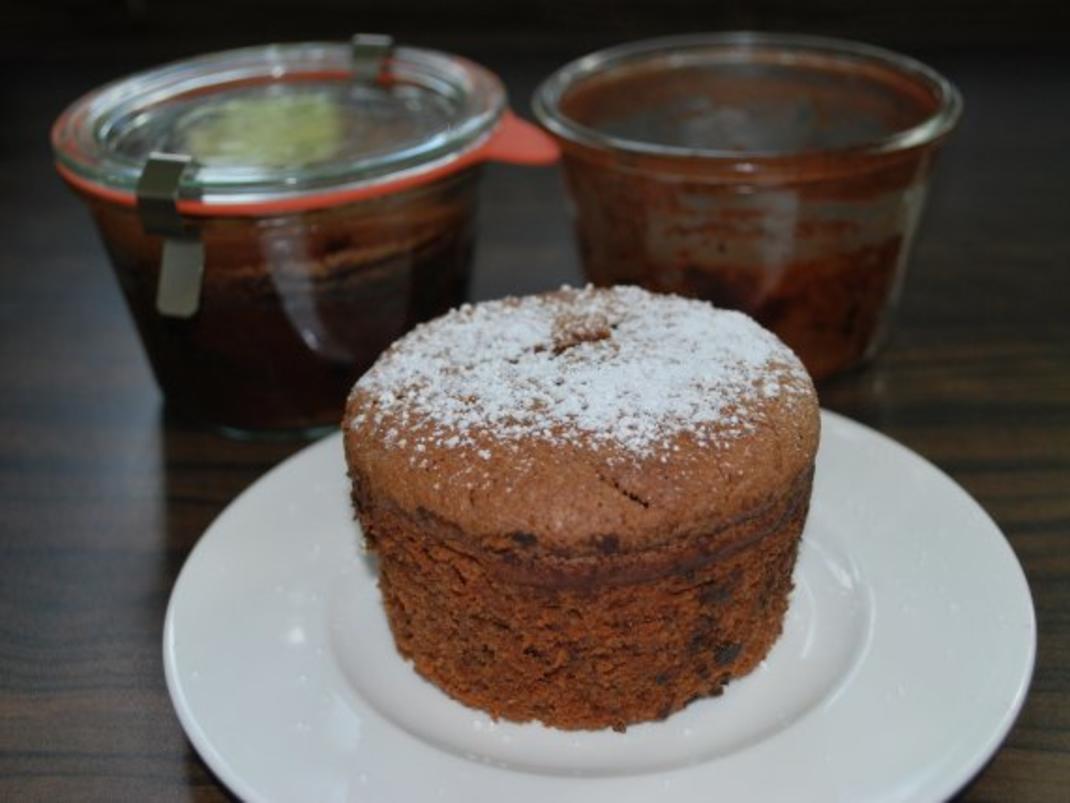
(513, 141)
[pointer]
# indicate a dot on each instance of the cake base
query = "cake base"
(628, 639)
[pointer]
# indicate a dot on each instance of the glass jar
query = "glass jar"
(781, 175)
(277, 216)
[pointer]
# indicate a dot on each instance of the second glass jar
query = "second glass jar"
(780, 175)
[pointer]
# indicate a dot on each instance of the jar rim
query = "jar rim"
(83, 151)
(549, 95)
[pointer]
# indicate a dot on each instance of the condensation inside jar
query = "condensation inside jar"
(288, 127)
(748, 108)
(761, 177)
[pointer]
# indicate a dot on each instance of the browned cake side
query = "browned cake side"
(594, 654)
(583, 581)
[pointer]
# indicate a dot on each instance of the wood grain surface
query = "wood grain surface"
(102, 496)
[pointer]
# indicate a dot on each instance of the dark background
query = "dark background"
(905, 22)
(101, 496)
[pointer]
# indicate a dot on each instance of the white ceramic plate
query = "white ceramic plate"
(905, 658)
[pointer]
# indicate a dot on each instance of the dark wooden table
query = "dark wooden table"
(102, 497)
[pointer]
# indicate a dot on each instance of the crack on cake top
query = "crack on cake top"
(618, 367)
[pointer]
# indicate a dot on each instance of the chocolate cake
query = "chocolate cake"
(586, 504)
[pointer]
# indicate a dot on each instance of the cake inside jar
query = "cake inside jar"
(294, 307)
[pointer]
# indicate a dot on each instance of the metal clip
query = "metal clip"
(178, 293)
(370, 52)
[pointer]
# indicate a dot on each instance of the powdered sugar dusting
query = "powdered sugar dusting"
(620, 366)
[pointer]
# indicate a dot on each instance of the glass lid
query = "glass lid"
(282, 120)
